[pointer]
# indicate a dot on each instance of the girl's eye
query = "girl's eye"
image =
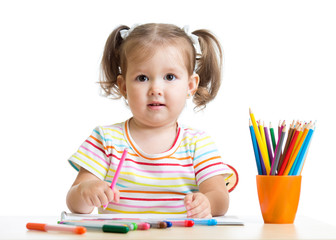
(142, 78)
(170, 77)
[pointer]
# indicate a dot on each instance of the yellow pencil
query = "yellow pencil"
(296, 151)
(261, 144)
(262, 132)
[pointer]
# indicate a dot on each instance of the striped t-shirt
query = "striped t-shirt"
(150, 183)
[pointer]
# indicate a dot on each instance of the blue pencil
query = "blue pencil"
(263, 168)
(303, 154)
(255, 149)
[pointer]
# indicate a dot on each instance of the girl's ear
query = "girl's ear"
(122, 85)
(193, 84)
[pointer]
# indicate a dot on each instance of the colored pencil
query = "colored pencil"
(280, 157)
(298, 138)
(279, 147)
(260, 143)
(263, 168)
(273, 137)
(255, 148)
(289, 137)
(270, 151)
(276, 150)
(262, 132)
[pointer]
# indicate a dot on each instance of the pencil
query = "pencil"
(276, 148)
(260, 143)
(298, 138)
(270, 151)
(289, 137)
(262, 132)
(273, 137)
(116, 175)
(278, 151)
(263, 169)
(255, 148)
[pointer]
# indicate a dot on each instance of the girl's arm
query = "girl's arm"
(88, 192)
(211, 200)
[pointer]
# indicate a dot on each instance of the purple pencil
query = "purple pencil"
(270, 153)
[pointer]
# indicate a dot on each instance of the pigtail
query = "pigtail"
(110, 64)
(209, 67)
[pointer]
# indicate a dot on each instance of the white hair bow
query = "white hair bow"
(125, 32)
(195, 41)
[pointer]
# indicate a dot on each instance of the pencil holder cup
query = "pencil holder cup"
(278, 197)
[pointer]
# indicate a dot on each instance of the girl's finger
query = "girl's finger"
(95, 201)
(116, 195)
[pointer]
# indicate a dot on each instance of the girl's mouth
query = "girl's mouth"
(156, 106)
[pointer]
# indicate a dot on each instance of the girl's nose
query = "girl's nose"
(155, 89)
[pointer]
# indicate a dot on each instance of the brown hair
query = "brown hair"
(142, 39)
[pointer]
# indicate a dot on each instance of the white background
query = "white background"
(280, 59)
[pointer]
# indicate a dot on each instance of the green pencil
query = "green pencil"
(273, 137)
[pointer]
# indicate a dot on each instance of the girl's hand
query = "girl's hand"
(197, 205)
(97, 193)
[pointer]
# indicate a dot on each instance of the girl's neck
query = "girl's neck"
(153, 140)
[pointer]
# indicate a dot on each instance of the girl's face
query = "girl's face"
(157, 88)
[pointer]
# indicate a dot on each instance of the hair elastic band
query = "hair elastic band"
(124, 33)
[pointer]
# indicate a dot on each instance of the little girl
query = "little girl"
(169, 168)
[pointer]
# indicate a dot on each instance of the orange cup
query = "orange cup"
(278, 197)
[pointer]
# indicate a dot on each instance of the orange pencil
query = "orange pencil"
(298, 139)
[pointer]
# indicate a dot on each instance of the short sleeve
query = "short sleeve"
(207, 160)
(93, 154)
